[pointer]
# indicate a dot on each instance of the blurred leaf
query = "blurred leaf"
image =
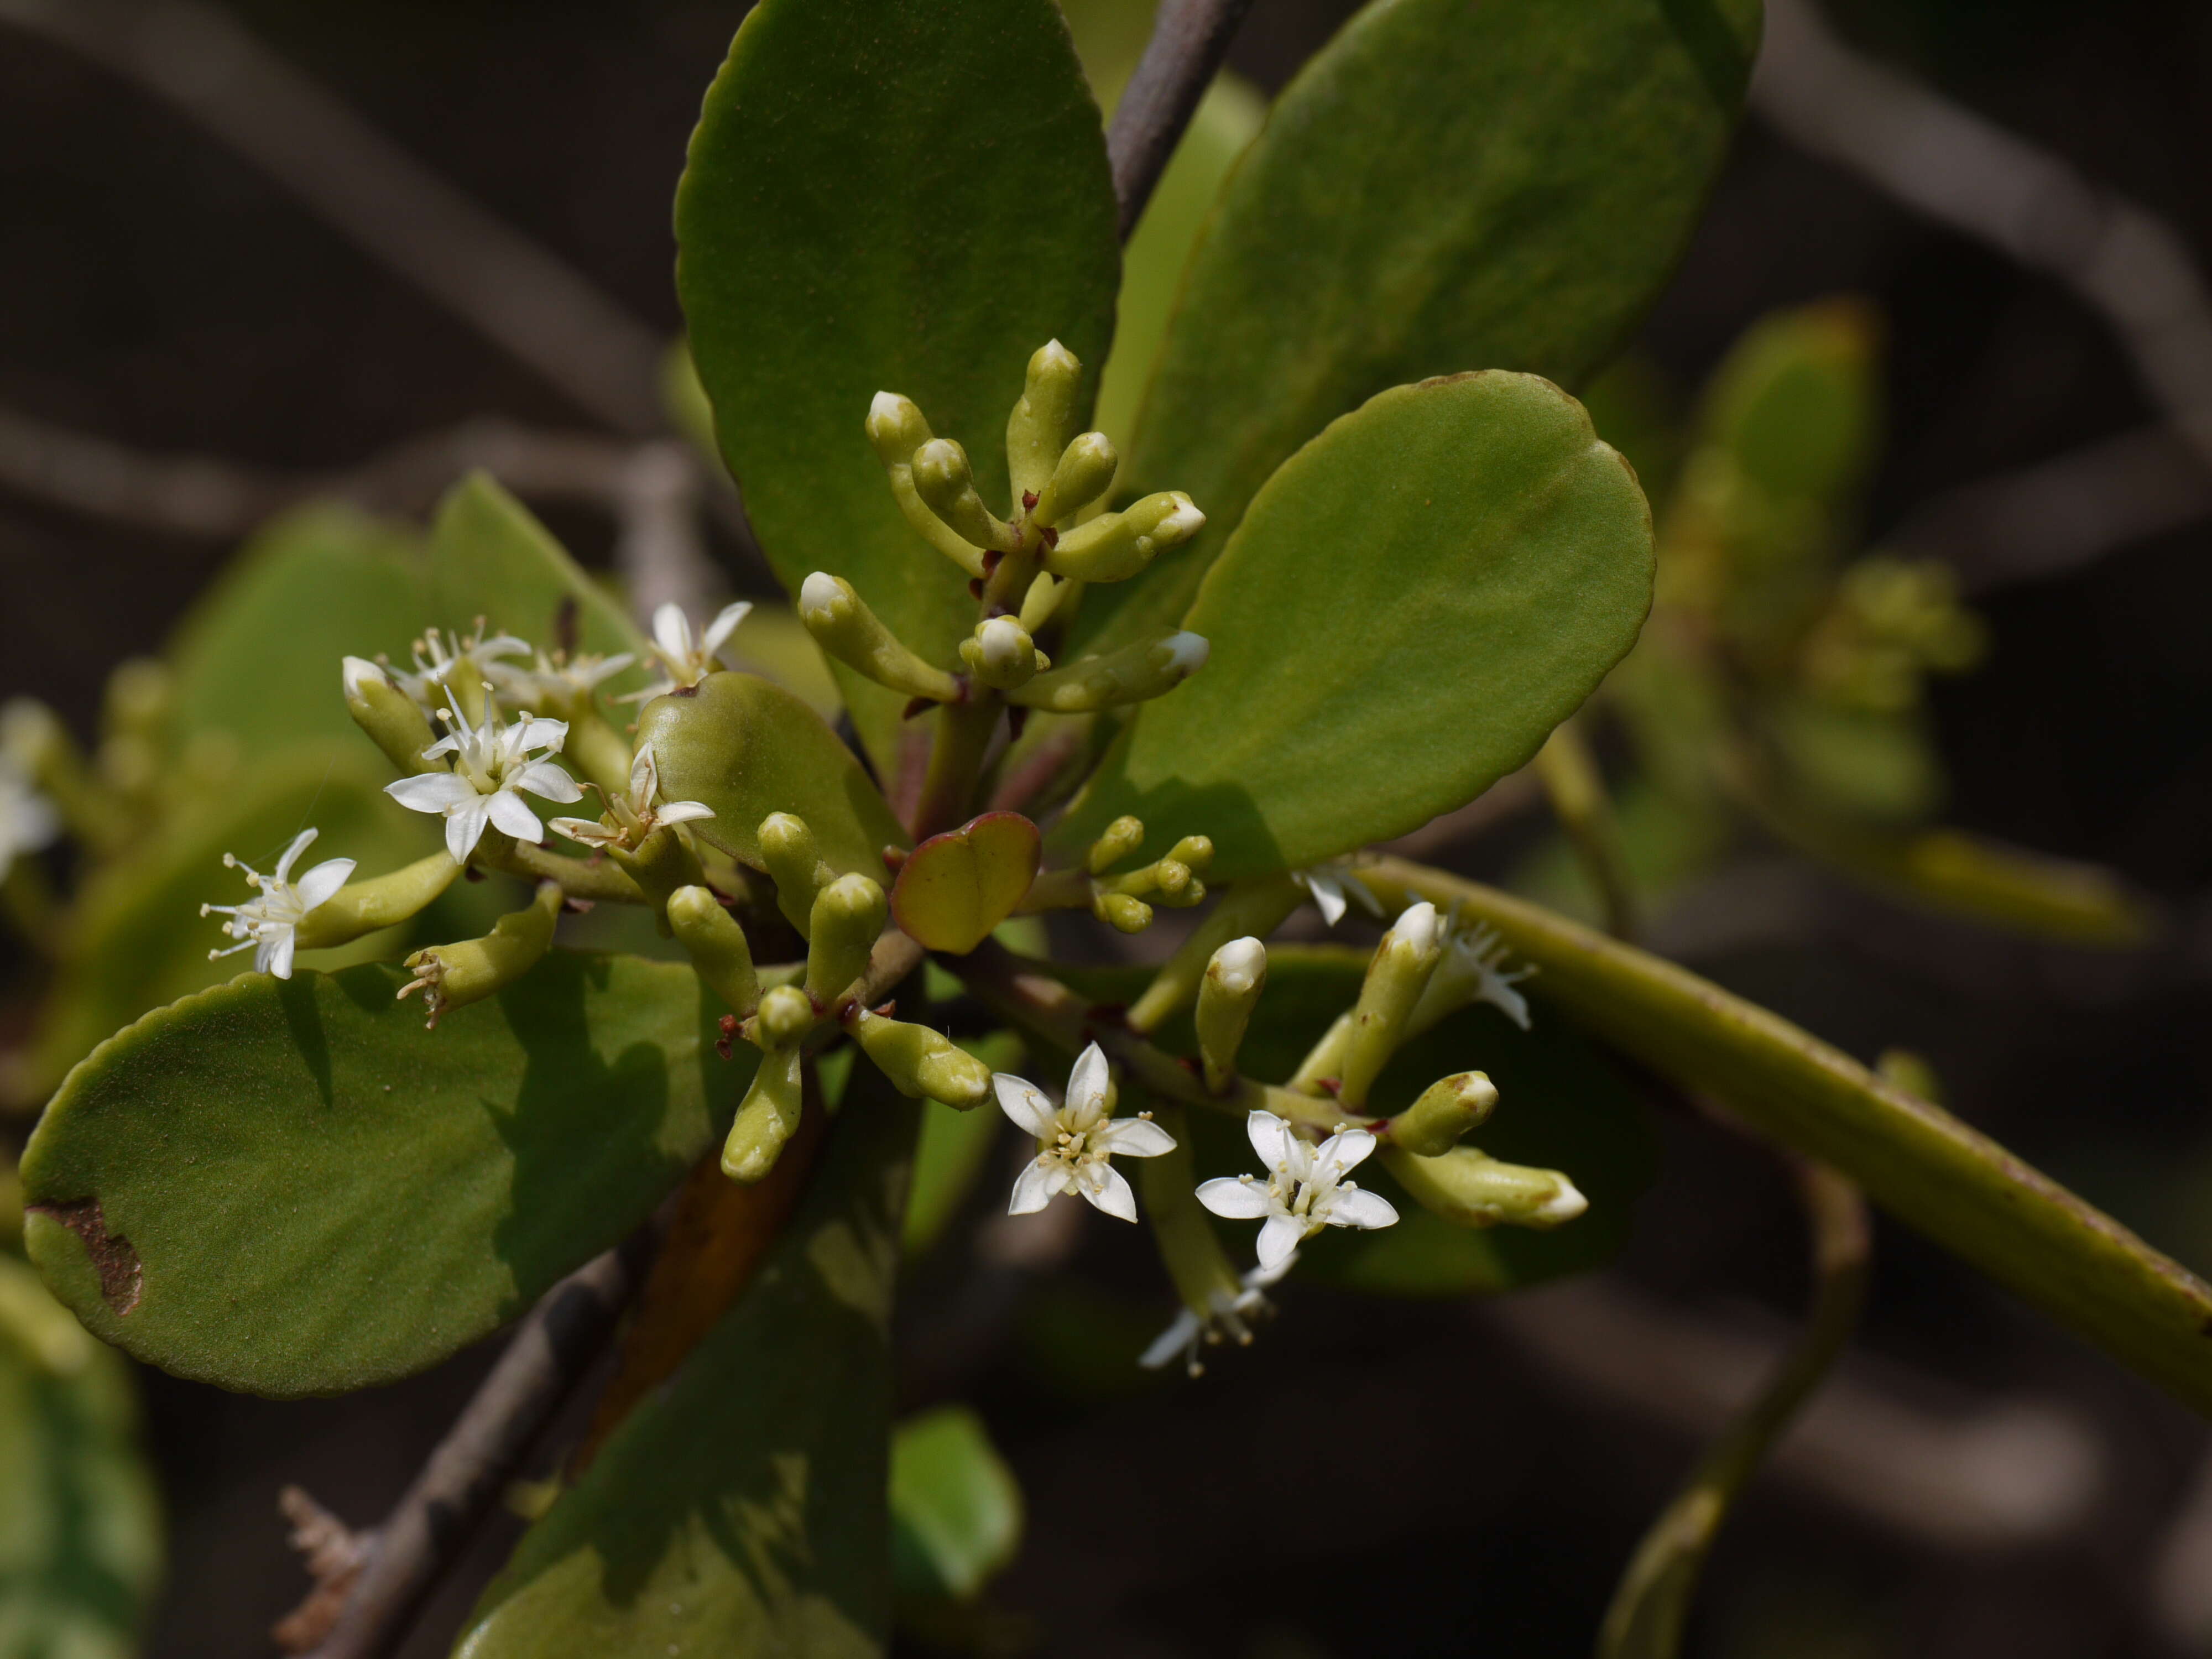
(883, 197)
(953, 1148)
(1855, 763)
(1795, 404)
(1375, 655)
(742, 1510)
(291, 1188)
(1442, 188)
(491, 557)
(748, 748)
(956, 1507)
(955, 888)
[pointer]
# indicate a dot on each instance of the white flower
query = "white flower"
(27, 820)
(1331, 884)
(688, 660)
(489, 765)
(1305, 1191)
(1473, 970)
(635, 816)
(1075, 1142)
(437, 655)
(1228, 1316)
(268, 924)
(558, 682)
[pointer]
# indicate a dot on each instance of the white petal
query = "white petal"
(1345, 1149)
(1024, 1101)
(1033, 1188)
(448, 744)
(725, 624)
(1108, 1191)
(1358, 1208)
(1279, 1238)
(431, 792)
(1327, 896)
(510, 816)
(1132, 1136)
(1086, 1083)
(548, 735)
(300, 843)
(683, 812)
(1418, 927)
(543, 779)
(1271, 1138)
(275, 956)
(644, 776)
(325, 879)
(590, 832)
(1177, 1339)
(671, 630)
(1233, 1198)
(464, 827)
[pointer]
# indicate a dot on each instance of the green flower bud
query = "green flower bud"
(784, 1015)
(843, 626)
(453, 976)
(794, 866)
(848, 917)
(710, 936)
(1195, 852)
(1396, 977)
(1121, 912)
(1470, 1189)
(896, 429)
(947, 486)
(1043, 420)
(1226, 996)
(1114, 546)
(918, 1061)
(1256, 907)
(361, 908)
(1085, 473)
(1447, 1110)
(392, 720)
(1166, 881)
(1001, 654)
(767, 1116)
(1133, 674)
(1122, 837)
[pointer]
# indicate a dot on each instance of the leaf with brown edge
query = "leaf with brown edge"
(955, 888)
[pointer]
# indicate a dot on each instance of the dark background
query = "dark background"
(1375, 1479)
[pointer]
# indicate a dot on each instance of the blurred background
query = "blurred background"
(220, 293)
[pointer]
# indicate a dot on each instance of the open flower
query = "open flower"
(688, 659)
(1076, 1141)
(1305, 1189)
(491, 763)
(1330, 885)
(270, 924)
(564, 684)
(1473, 970)
(27, 820)
(437, 655)
(1228, 1317)
(630, 818)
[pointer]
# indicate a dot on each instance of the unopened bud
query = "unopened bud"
(1447, 1110)
(1122, 913)
(1085, 473)
(452, 976)
(361, 908)
(784, 1015)
(897, 427)
(918, 1061)
(795, 865)
(1002, 655)
(710, 936)
(1255, 906)
(767, 1117)
(849, 915)
(1194, 852)
(946, 484)
(844, 626)
(1043, 419)
(1395, 979)
(1470, 1189)
(1135, 673)
(1114, 546)
(1122, 837)
(1226, 997)
(394, 722)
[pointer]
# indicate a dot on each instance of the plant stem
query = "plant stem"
(600, 880)
(1188, 42)
(956, 763)
(1575, 789)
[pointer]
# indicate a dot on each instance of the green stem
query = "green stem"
(1575, 789)
(599, 879)
(956, 762)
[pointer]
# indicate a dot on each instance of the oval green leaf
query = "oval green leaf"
(956, 1507)
(290, 1188)
(1414, 601)
(886, 195)
(748, 748)
(955, 887)
(1445, 186)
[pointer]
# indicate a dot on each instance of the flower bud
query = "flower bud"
(1256, 907)
(1133, 674)
(361, 908)
(1002, 655)
(947, 485)
(710, 936)
(392, 720)
(897, 427)
(795, 865)
(1114, 546)
(784, 1015)
(1043, 419)
(1226, 997)
(1447, 1110)
(1121, 837)
(848, 915)
(660, 864)
(1194, 852)
(1085, 473)
(1121, 912)
(918, 1061)
(453, 976)
(844, 626)
(767, 1116)
(1470, 1189)
(1396, 976)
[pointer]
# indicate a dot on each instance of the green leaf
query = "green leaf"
(491, 557)
(742, 1510)
(747, 749)
(1414, 601)
(955, 888)
(291, 1188)
(883, 195)
(1443, 187)
(956, 1507)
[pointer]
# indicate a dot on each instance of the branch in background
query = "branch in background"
(502, 284)
(1189, 40)
(2181, 1572)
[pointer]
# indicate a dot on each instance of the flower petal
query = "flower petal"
(1279, 1238)
(1086, 1085)
(672, 631)
(725, 624)
(1134, 1137)
(431, 792)
(275, 956)
(320, 883)
(464, 827)
(1024, 1101)
(511, 816)
(545, 734)
(549, 782)
(590, 832)
(300, 843)
(644, 777)
(1034, 1188)
(1327, 896)
(1237, 1198)
(1271, 1139)
(1356, 1206)
(1180, 1335)
(682, 811)
(1108, 1190)
(1345, 1149)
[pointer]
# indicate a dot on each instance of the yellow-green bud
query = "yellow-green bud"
(1447, 1110)
(1256, 907)
(393, 722)
(1148, 669)
(918, 1061)
(1121, 837)
(896, 429)
(1167, 881)
(1226, 997)
(452, 976)
(139, 695)
(1470, 1189)
(784, 1015)
(1195, 852)
(767, 1116)
(1121, 912)
(849, 915)
(1002, 655)
(795, 865)
(1399, 972)
(947, 486)
(361, 908)
(710, 936)
(1085, 473)
(843, 625)
(1044, 419)
(661, 864)
(1114, 546)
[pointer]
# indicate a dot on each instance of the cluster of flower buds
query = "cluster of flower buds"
(1892, 622)
(1125, 902)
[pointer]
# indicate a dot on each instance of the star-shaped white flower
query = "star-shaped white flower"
(1230, 1317)
(634, 816)
(1076, 1140)
(1305, 1189)
(1330, 885)
(270, 924)
(559, 681)
(27, 820)
(437, 655)
(1477, 953)
(490, 764)
(688, 659)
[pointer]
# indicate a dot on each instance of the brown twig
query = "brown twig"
(1189, 40)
